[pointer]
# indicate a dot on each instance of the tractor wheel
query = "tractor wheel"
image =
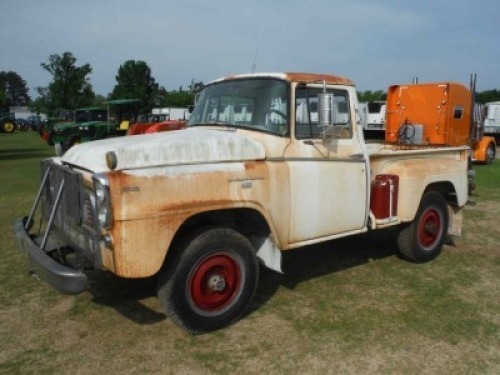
(67, 143)
(490, 154)
(58, 149)
(50, 138)
(39, 129)
(8, 126)
(422, 239)
(212, 281)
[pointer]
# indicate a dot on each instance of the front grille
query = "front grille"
(88, 213)
(71, 201)
(75, 219)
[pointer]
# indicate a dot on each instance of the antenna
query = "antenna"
(254, 65)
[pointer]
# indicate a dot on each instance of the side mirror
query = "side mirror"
(190, 108)
(325, 101)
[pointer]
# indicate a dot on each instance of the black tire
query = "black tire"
(422, 239)
(490, 154)
(50, 138)
(69, 142)
(39, 129)
(58, 149)
(212, 281)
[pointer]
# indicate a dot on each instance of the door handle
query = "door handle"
(359, 156)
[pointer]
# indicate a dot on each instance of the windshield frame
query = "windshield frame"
(279, 128)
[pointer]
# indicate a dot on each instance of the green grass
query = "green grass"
(349, 306)
(488, 181)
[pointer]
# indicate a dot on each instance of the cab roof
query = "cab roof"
(293, 77)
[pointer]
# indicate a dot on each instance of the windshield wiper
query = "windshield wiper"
(216, 124)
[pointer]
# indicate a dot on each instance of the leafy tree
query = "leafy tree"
(195, 87)
(370, 96)
(181, 97)
(13, 90)
(99, 101)
(70, 87)
(178, 98)
(135, 81)
(488, 96)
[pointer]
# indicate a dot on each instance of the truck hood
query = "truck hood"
(187, 146)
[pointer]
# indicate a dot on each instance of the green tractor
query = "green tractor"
(7, 122)
(95, 123)
(61, 116)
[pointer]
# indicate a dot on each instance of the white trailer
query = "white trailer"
(492, 120)
(173, 113)
(372, 116)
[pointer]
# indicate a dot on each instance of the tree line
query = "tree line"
(70, 87)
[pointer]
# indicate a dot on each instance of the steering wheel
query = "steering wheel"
(279, 113)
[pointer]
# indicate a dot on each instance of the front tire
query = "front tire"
(422, 240)
(67, 143)
(211, 283)
(50, 138)
(58, 149)
(8, 126)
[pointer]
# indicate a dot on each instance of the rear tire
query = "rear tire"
(58, 149)
(212, 281)
(422, 240)
(490, 154)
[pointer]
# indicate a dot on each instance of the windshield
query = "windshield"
(259, 104)
(85, 115)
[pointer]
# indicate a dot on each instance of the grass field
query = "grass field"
(345, 307)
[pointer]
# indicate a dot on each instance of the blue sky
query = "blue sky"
(374, 43)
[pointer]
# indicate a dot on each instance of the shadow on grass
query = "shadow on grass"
(125, 295)
(22, 156)
(17, 150)
(314, 261)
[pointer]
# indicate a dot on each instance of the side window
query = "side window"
(306, 113)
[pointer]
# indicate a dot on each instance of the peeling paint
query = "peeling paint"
(188, 146)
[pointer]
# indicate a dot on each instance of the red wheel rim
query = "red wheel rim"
(214, 282)
(429, 230)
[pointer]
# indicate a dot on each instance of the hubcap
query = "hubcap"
(490, 154)
(8, 126)
(214, 283)
(430, 228)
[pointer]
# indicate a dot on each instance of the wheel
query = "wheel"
(39, 129)
(275, 111)
(212, 281)
(422, 240)
(490, 154)
(50, 138)
(8, 126)
(69, 142)
(58, 149)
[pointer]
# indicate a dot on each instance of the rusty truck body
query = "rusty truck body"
(254, 174)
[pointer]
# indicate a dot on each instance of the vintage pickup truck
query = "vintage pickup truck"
(268, 163)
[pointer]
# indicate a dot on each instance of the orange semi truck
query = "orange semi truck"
(437, 114)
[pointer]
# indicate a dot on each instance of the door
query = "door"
(328, 177)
